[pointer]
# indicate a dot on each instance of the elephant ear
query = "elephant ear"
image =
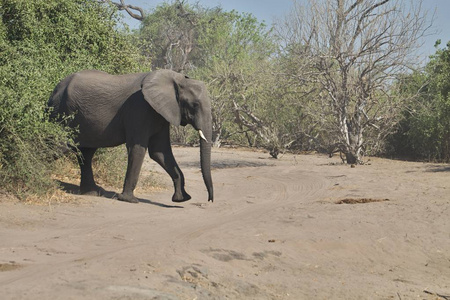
(160, 90)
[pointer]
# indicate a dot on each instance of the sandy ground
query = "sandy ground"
(275, 231)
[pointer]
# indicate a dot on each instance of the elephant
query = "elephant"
(135, 109)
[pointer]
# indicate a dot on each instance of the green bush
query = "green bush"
(424, 132)
(41, 42)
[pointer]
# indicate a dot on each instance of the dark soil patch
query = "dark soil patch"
(359, 200)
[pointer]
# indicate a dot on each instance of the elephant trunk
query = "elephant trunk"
(205, 160)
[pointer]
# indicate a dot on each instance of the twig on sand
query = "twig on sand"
(446, 297)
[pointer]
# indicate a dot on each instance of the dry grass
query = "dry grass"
(109, 168)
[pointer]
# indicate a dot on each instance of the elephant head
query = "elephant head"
(181, 101)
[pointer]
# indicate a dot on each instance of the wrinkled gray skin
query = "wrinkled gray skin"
(136, 109)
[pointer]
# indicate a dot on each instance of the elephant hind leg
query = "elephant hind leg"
(136, 154)
(88, 185)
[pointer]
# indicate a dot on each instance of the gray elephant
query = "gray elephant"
(136, 109)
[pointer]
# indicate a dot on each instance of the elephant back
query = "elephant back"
(90, 90)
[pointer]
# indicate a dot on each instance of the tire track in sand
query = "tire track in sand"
(280, 186)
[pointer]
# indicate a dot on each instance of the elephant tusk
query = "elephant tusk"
(202, 135)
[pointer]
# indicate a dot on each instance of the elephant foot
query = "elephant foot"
(92, 191)
(181, 198)
(127, 198)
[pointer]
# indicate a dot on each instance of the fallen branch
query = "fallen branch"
(446, 297)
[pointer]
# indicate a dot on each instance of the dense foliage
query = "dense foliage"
(41, 42)
(424, 132)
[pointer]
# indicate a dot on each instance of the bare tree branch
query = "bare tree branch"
(129, 8)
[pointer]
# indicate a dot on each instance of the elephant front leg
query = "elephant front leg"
(167, 161)
(161, 152)
(136, 154)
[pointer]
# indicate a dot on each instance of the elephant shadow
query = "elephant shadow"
(74, 189)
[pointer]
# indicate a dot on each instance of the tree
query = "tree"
(168, 35)
(350, 52)
(235, 51)
(229, 51)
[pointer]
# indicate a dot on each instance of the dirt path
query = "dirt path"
(273, 232)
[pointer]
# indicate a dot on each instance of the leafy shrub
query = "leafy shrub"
(41, 42)
(424, 132)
